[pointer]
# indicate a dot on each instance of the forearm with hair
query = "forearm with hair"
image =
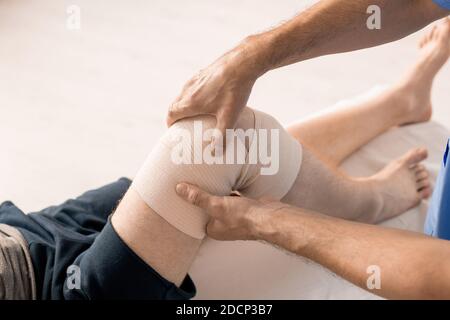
(412, 266)
(335, 26)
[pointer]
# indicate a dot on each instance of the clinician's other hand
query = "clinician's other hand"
(232, 217)
(222, 90)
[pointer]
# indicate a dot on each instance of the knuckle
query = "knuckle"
(173, 108)
(216, 205)
(193, 196)
(170, 113)
(185, 103)
(189, 100)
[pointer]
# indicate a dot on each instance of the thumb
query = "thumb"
(194, 195)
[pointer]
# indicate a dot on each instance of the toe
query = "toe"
(429, 35)
(433, 33)
(418, 167)
(422, 42)
(425, 193)
(444, 28)
(423, 184)
(421, 174)
(414, 156)
(447, 22)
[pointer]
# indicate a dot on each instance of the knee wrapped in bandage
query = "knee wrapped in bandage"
(260, 159)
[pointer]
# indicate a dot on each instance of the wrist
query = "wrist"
(264, 221)
(281, 225)
(257, 221)
(255, 51)
(248, 61)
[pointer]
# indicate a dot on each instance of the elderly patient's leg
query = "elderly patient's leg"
(339, 133)
(398, 187)
(332, 137)
(166, 249)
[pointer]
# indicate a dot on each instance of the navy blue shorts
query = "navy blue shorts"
(78, 233)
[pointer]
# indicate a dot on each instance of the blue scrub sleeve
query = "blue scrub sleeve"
(443, 3)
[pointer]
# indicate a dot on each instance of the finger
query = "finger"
(194, 195)
(212, 228)
(225, 120)
(179, 111)
(267, 199)
(425, 193)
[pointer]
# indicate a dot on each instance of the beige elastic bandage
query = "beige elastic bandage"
(261, 159)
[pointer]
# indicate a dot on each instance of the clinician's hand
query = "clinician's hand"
(232, 217)
(222, 89)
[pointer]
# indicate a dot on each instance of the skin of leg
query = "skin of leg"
(167, 250)
(398, 187)
(329, 139)
(332, 137)
(336, 135)
(324, 189)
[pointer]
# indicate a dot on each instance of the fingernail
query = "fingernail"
(181, 188)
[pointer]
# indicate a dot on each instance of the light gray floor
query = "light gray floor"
(81, 108)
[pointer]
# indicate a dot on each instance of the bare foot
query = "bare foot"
(401, 185)
(416, 85)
